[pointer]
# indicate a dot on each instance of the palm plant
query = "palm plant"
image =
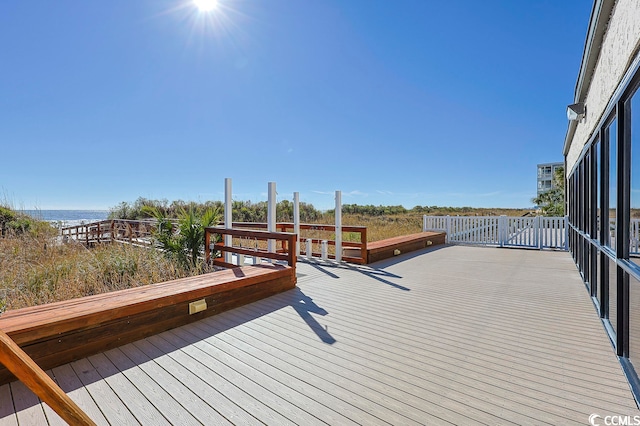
(186, 241)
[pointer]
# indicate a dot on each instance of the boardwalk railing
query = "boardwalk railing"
(535, 232)
(122, 230)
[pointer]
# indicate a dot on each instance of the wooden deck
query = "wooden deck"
(448, 335)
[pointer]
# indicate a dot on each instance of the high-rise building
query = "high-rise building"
(546, 172)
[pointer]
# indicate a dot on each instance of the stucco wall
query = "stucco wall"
(619, 43)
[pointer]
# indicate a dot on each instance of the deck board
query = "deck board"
(235, 387)
(28, 408)
(185, 397)
(206, 390)
(69, 382)
(298, 392)
(452, 335)
(109, 402)
(135, 400)
(7, 412)
(160, 398)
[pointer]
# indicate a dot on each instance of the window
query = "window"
(634, 214)
(597, 179)
(610, 135)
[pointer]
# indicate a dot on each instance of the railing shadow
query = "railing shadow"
(375, 270)
(193, 333)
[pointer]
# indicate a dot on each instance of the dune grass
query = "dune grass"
(35, 271)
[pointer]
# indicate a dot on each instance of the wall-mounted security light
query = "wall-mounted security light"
(576, 112)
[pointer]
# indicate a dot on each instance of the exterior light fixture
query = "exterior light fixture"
(576, 112)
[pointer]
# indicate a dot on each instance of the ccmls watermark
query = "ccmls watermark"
(614, 420)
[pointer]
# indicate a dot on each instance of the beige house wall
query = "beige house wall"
(619, 47)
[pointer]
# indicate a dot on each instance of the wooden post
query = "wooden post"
(271, 216)
(28, 372)
(228, 217)
(293, 245)
(363, 246)
(296, 220)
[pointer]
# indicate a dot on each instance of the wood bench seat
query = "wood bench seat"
(61, 332)
(384, 249)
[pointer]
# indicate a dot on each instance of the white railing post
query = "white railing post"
(228, 218)
(271, 216)
(502, 230)
(309, 250)
(537, 232)
(566, 232)
(424, 223)
(324, 247)
(448, 229)
(338, 226)
(296, 220)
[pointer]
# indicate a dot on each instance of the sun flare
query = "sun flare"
(205, 5)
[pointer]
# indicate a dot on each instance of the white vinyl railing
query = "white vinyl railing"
(537, 232)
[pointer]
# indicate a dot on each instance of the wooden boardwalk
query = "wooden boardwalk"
(451, 335)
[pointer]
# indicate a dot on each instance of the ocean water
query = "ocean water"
(68, 217)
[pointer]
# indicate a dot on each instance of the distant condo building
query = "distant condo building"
(546, 172)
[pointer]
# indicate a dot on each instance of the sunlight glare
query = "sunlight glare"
(206, 5)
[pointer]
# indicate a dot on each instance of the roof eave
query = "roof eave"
(600, 14)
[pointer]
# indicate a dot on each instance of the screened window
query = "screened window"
(634, 214)
(598, 181)
(613, 184)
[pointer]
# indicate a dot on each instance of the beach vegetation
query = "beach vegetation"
(15, 223)
(184, 241)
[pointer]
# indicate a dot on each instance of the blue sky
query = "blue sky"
(412, 102)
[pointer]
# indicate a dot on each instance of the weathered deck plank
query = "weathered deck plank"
(460, 335)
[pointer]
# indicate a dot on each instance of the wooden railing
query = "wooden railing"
(353, 251)
(122, 230)
(287, 252)
(140, 232)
